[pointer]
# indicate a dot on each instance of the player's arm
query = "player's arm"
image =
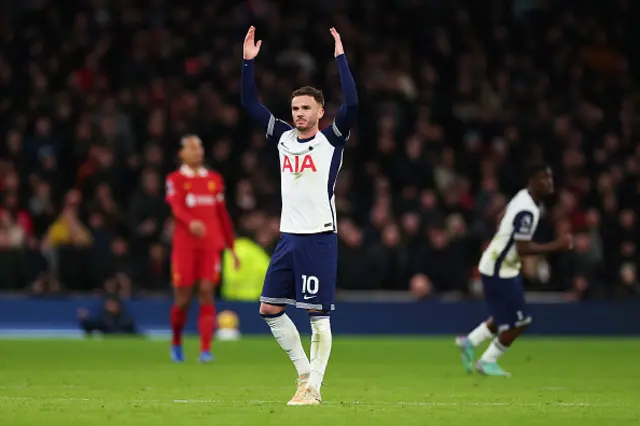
(249, 94)
(345, 119)
(347, 114)
(523, 231)
(175, 198)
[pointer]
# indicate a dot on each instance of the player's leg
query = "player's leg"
(288, 337)
(206, 319)
(467, 344)
(316, 260)
(183, 279)
(321, 344)
(511, 319)
(208, 266)
(182, 297)
(279, 291)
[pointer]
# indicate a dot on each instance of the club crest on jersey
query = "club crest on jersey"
(187, 186)
(298, 164)
(526, 224)
(212, 186)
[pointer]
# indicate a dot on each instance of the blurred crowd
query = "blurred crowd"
(455, 98)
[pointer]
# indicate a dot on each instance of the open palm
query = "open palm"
(251, 48)
(339, 49)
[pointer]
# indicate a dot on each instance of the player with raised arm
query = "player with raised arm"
(303, 268)
(500, 273)
(202, 231)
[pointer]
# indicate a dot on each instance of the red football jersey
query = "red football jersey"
(199, 195)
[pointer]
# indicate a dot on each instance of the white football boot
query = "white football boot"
(308, 396)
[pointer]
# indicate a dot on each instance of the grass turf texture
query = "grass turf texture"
(370, 381)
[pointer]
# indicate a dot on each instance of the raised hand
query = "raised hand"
(339, 50)
(251, 48)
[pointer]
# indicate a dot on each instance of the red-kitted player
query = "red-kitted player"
(203, 230)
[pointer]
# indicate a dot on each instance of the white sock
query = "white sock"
(287, 335)
(494, 351)
(480, 334)
(321, 340)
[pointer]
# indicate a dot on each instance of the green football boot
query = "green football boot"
(467, 352)
(491, 369)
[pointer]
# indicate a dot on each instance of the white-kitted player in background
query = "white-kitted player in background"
(500, 273)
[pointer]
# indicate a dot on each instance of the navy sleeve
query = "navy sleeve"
(258, 112)
(346, 117)
(523, 226)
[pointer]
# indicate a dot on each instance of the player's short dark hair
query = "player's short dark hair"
(186, 137)
(533, 169)
(309, 91)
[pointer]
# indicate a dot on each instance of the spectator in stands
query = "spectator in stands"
(351, 262)
(110, 317)
(13, 235)
(628, 284)
(585, 267)
(147, 211)
(66, 243)
(12, 243)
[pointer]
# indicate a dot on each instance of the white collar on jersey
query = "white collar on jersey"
(189, 172)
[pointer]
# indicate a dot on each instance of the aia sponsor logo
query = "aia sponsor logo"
(298, 164)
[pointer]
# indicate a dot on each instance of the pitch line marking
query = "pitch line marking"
(344, 403)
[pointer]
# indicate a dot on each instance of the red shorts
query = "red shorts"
(188, 267)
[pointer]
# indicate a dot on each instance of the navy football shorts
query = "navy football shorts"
(303, 272)
(505, 299)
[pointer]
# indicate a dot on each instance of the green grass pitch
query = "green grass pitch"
(369, 381)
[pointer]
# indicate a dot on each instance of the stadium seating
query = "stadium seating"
(454, 102)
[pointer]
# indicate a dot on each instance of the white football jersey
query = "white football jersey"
(519, 223)
(308, 173)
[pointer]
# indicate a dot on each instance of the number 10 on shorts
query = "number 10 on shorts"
(310, 284)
